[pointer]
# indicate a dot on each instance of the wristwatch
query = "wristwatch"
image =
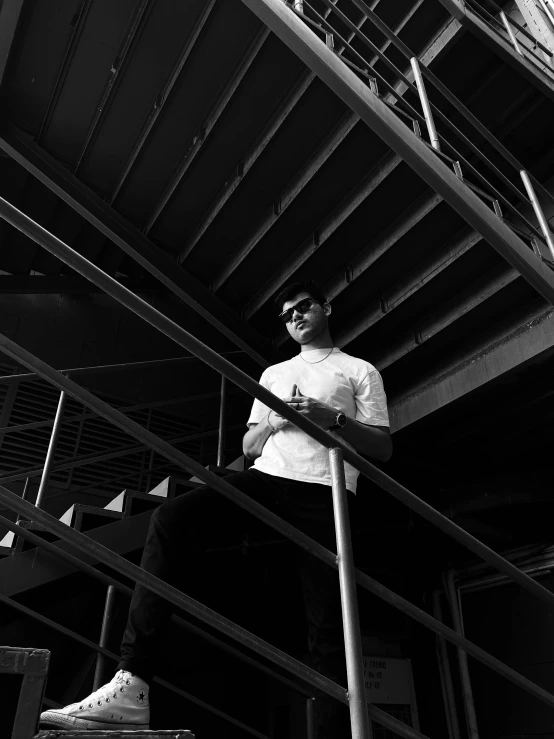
(340, 421)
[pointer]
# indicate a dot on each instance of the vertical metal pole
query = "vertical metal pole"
(446, 674)
(469, 703)
(311, 731)
(51, 450)
(298, 5)
(545, 228)
(222, 423)
(359, 719)
(433, 136)
(510, 33)
(24, 495)
(106, 623)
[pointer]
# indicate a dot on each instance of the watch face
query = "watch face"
(341, 419)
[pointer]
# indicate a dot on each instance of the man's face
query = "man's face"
(305, 327)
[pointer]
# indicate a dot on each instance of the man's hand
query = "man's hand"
(321, 413)
(276, 421)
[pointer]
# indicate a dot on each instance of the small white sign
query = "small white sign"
(388, 680)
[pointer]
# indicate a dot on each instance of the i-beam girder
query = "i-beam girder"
(122, 233)
(350, 88)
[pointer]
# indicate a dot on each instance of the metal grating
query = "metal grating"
(35, 401)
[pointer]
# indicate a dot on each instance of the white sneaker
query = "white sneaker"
(121, 703)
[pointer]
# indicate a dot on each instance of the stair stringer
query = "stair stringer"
(35, 567)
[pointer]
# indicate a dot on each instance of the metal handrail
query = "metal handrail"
(450, 97)
(101, 650)
(401, 76)
(147, 364)
(105, 556)
(158, 320)
(102, 554)
(110, 581)
(175, 332)
(520, 28)
(523, 30)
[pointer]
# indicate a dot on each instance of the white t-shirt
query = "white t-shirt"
(349, 384)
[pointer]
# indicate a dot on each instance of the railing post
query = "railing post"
(51, 450)
(420, 84)
(545, 228)
(106, 623)
(222, 436)
(298, 5)
(359, 719)
(24, 495)
(469, 704)
(311, 731)
(510, 33)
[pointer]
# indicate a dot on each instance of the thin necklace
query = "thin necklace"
(319, 360)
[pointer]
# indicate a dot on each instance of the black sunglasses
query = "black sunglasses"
(303, 306)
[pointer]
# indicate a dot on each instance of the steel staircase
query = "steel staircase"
(107, 542)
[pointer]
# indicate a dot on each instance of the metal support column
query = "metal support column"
(311, 731)
(420, 84)
(298, 5)
(469, 703)
(545, 228)
(106, 624)
(359, 719)
(222, 436)
(51, 450)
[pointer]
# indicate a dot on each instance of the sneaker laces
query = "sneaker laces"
(122, 677)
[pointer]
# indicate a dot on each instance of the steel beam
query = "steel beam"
(10, 11)
(481, 290)
(251, 158)
(207, 127)
(287, 197)
(324, 231)
(367, 256)
(162, 97)
(534, 339)
(72, 42)
(400, 138)
(503, 48)
(246, 165)
(139, 15)
(91, 207)
(63, 285)
(400, 292)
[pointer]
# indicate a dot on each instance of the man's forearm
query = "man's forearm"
(371, 441)
(255, 438)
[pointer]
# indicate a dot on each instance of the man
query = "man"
(291, 476)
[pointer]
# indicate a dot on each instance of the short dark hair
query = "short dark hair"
(288, 292)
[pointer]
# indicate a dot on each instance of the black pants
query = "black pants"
(184, 528)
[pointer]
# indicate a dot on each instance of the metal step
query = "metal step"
(106, 734)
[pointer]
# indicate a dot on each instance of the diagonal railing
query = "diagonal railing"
(338, 452)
